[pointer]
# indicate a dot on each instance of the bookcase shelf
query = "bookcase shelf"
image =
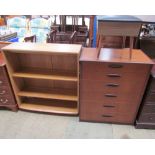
(45, 77)
(50, 106)
(61, 94)
(46, 74)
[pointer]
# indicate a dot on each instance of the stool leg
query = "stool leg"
(100, 43)
(131, 47)
(124, 39)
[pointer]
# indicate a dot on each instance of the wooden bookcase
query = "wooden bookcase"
(45, 77)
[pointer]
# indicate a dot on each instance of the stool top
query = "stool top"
(118, 18)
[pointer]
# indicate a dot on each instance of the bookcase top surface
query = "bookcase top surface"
(115, 55)
(44, 47)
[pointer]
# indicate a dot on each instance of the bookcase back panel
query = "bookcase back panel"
(49, 102)
(13, 61)
(53, 62)
(47, 85)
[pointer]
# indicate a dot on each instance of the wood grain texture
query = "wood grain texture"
(46, 71)
(2, 62)
(46, 74)
(44, 47)
(111, 85)
(118, 28)
(7, 98)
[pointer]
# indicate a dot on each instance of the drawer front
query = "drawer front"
(109, 96)
(6, 100)
(6, 90)
(1, 72)
(126, 119)
(150, 98)
(3, 82)
(152, 86)
(112, 112)
(150, 118)
(148, 109)
(98, 71)
(112, 86)
(103, 107)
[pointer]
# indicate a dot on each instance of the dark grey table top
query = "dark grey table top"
(122, 18)
(118, 18)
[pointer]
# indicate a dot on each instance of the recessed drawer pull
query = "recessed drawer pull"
(2, 92)
(110, 95)
(112, 85)
(115, 66)
(4, 101)
(113, 75)
(108, 106)
(107, 116)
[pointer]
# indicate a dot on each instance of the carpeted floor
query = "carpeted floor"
(29, 125)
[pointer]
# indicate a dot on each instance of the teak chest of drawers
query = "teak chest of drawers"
(112, 85)
(146, 116)
(6, 94)
(45, 77)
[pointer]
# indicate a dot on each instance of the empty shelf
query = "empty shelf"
(46, 74)
(48, 109)
(60, 94)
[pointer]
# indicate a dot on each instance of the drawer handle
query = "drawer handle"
(112, 85)
(110, 95)
(107, 116)
(108, 106)
(150, 118)
(113, 75)
(1, 82)
(115, 66)
(2, 92)
(4, 101)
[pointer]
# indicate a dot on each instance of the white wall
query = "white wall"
(149, 18)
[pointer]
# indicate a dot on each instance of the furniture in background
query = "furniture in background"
(7, 99)
(30, 38)
(111, 84)
(65, 31)
(40, 27)
(45, 77)
(146, 116)
(19, 25)
(147, 45)
(147, 40)
(119, 26)
(8, 36)
(62, 37)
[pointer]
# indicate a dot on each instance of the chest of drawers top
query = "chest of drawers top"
(114, 56)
